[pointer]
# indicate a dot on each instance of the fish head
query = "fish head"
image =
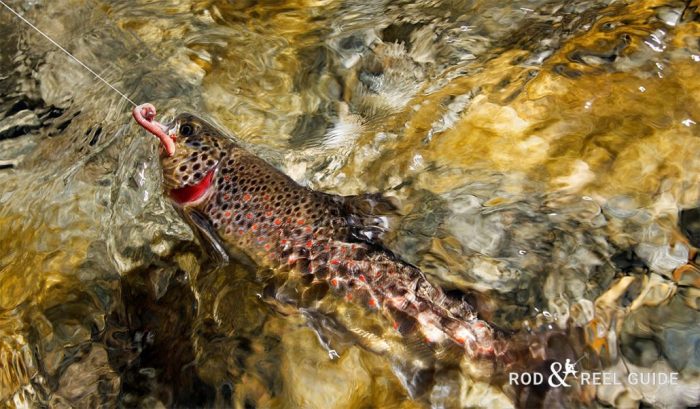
(189, 172)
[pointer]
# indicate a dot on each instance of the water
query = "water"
(541, 151)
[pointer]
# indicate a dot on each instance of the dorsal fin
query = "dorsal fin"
(371, 204)
(368, 215)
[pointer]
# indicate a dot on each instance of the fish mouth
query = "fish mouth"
(193, 194)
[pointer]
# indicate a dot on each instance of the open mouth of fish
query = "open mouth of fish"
(145, 116)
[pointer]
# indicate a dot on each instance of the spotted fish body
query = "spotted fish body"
(249, 206)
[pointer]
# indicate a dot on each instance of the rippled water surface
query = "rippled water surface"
(541, 152)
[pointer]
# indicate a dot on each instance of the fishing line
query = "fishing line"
(68, 53)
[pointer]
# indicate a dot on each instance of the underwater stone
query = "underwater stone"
(663, 259)
(689, 223)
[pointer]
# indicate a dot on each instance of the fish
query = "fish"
(318, 244)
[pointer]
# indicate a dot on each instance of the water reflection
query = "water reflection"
(541, 151)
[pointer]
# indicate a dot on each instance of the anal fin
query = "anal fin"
(326, 329)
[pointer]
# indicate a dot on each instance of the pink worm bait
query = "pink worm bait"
(145, 115)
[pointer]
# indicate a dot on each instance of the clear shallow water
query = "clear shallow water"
(541, 152)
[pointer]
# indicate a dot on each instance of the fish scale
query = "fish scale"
(250, 206)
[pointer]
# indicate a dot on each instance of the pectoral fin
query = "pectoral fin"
(207, 236)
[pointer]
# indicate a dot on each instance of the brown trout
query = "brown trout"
(244, 205)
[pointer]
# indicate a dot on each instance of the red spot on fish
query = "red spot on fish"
(395, 325)
(246, 197)
(308, 229)
(254, 227)
(227, 214)
(348, 296)
(227, 196)
(268, 214)
(278, 222)
(267, 246)
(372, 302)
(335, 261)
(266, 197)
(309, 244)
(249, 216)
(283, 242)
(300, 222)
(334, 282)
(362, 278)
(460, 340)
(241, 231)
(188, 194)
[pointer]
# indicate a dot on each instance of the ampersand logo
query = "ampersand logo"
(560, 372)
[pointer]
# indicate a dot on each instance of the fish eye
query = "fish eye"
(186, 130)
